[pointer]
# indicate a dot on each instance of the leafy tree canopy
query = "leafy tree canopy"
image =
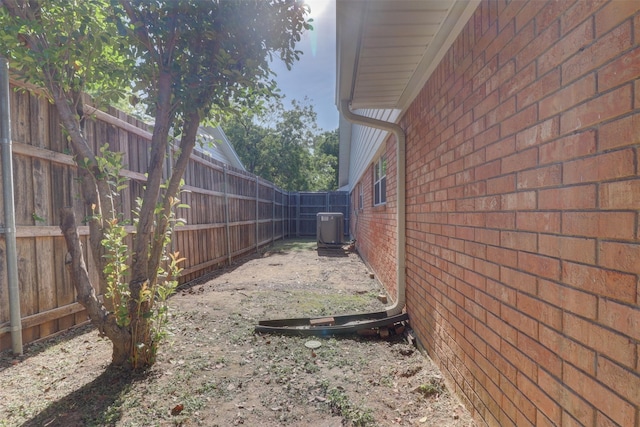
(285, 146)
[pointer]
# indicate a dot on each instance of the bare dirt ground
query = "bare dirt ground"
(216, 371)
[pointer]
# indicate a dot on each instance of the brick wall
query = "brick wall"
(374, 227)
(523, 202)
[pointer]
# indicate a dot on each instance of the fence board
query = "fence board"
(46, 289)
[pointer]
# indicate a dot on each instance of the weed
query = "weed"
(341, 405)
(435, 386)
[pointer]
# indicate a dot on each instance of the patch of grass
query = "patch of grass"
(435, 386)
(313, 304)
(283, 246)
(341, 405)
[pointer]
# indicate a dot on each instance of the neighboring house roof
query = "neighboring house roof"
(217, 145)
(386, 51)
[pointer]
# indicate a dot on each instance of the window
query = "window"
(360, 197)
(380, 181)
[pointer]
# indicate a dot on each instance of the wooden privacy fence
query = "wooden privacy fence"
(231, 211)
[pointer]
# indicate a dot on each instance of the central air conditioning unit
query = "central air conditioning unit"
(330, 229)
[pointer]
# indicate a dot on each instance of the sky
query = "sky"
(314, 75)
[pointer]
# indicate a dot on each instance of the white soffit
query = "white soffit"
(397, 46)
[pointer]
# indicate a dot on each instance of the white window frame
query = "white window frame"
(380, 181)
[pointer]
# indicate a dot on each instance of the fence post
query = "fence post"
(298, 214)
(257, 213)
(227, 224)
(273, 214)
(9, 210)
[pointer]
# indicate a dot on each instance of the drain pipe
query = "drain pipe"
(401, 283)
(9, 211)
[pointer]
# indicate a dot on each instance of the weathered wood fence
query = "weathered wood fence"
(231, 211)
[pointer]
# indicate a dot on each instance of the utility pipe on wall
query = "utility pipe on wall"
(401, 283)
(9, 210)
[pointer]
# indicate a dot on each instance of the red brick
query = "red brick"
(575, 197)
(523, 200)
(501, 112)
(620, 195)
(542, 401)
(546, 222)
(507, 370)
(569, 147)
(491, 101)
(636, 25)
(520, 161)
(487, 170)
(622, 318)
(569, 299)
(547, 176)
(527, 13)
(566, 46)
(501, 220)
(602, 167)
(488, 70)
(518, 280)
(519, 121)
(620, 256)
(623, 381)
(601, 282)
(604, 421)
(551, 11)
(502, 184)
(520, 361)
(568, 400)
(597, 110)
(501, 148)
(536, 308)
(489, 203)
(502, 256)
(539, 265)
(504, 73)
(616, 346)
(619, 133)
(548, 84)
(622, 70)
(570, 248)
(523, 78)
(539, 44)
(614, 13)
(500, 327)
(563, 99)
(568, 350)
(538, 134)
(519, 240)
(611, 405)
(578, 13)
(474, 159)
(604, 225)
(509, 13)
(600, 52)
(489, 237)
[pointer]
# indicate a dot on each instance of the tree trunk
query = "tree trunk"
(99, 315)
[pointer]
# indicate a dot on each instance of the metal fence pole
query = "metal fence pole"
(9, 210)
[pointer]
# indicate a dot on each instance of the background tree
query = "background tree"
(188, 62)
(325, 161)
(285, 147)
